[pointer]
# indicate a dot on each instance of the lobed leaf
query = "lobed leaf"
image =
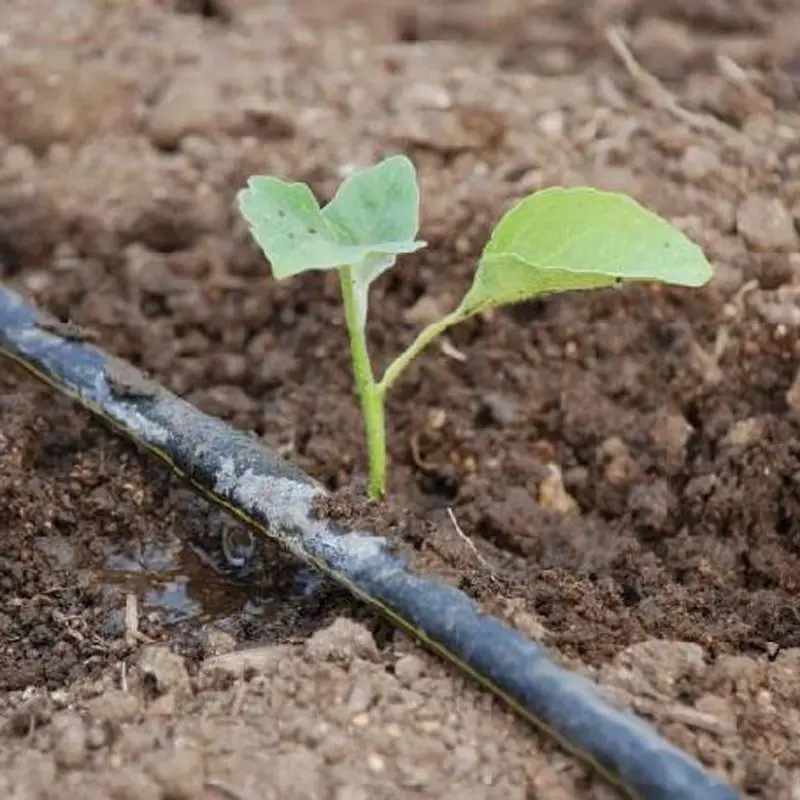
(373, 217)
(378, 207)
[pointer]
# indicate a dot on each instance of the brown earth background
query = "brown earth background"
(624, 466)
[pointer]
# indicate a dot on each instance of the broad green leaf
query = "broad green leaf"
(287, 223)
(379, 207)
(561, 240)
(359, 227)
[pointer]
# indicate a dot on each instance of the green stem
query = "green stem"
(424, 338)
(370, 397)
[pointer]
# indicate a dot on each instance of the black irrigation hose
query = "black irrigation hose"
(232, 470)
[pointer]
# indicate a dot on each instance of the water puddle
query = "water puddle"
(180, 577)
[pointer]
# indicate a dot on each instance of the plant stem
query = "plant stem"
(369, 395)
(424, 338)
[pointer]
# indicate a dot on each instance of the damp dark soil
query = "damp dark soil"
(616, 473)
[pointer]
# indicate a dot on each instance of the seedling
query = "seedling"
(555, 240)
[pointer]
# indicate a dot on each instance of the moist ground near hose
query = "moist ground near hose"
(232, 470)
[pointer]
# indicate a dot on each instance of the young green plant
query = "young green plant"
(555, 240)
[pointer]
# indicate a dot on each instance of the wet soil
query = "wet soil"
(623, 467)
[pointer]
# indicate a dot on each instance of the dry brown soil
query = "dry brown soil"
(626, 464)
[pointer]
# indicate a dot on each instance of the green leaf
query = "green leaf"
(287, 223)
(378, 207)
(560, 240)
(372, 219)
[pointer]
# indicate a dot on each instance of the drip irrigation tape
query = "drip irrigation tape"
(276, 500)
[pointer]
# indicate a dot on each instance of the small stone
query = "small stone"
(766, 224)
(793, 394)
(551, 124)
(779, 308)
(428, 96)
(343, 641)
(650, 504)
(179, 772)
(360, 698)
(576, 479)
(698, 163)
(437, 419)
(552, 494)
(17, 160)
(408, 669)
(744, 434)
(665, 47)
(663, 663)
(700, 487)
(163, 670)
(217, 643)
(621, 468)
(130, 783)
(670, 433)
(164, 705)
(69, 746)
(376, 764)
(135, 741)
(35, 713)
(60, 699)
(464, 760)
(720, 708)
(191, 104)
(498, 409)
(98, 736)
(114, 706)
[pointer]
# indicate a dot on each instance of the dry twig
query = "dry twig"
(484, 563)
(659, 96)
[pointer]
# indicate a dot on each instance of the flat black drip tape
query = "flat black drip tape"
(234, 471)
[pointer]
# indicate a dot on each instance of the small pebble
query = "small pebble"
(163, 670)
(98, 736)
(665, 47)
(621, 468)
(178, 771)
(360, 697)
(343, 641)
(766, 224)
(250, 661)
(114, 706)
(70, 741)
(464, 760)
(744, 434)
(552, 494)
(650, 504)
(375, 764)
(671, 433)
(793, 394)
(408, 669)
(217, 643)
(698, 163)
(498, 409)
